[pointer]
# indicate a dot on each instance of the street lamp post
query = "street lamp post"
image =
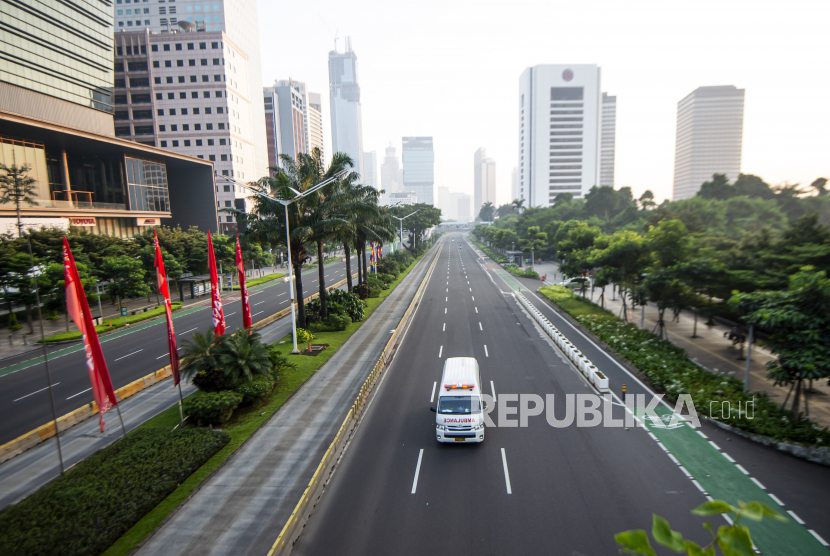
(285, 203)
(401, 223)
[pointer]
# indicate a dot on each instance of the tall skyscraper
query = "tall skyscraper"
(607, 140)
(389, 170)
(461, 205)
(484, 176)
(559, 124)
(238, 19)
(442, 201)
(56, 116)
(370, 170)
(419, 168)
(710, 124)
(514, 184)
(314, 117)
(344, 96)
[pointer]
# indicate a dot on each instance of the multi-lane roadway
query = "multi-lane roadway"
(131, 353)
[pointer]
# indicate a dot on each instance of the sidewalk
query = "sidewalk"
(710, 349)
(22, 342)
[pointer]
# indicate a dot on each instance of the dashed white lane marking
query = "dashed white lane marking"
(445, 310)
(35, 392)
(432, 397)
(479, 326)
(701, 434)
(727, 456)
(255, 304)
(440, 351)
(818, 537)
(774, 497)
(417, 471)
(255, 314)
(486, 353)
(78, 394)
(191, 330)
(742, 470)
(471, 289)
(474, 298)
(445, 328)
(715, 446)
(506, 474)
(133, 353)
(231, 314)
(757, 482)
(476, 310)
(795, 517)
(493, 390)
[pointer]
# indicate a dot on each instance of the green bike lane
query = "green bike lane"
(723, 479)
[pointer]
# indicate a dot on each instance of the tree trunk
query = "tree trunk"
(694, 331)
(797, 397)
(348, 267)
(298, 291)
(321, 275)
(365, 267)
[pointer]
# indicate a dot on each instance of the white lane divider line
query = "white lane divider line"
(445, 328)
(440, 351)
(260, 303)
(479, 326)
(486, 354)
(417, 471)
(506, 474)
(35, 392)
(133, 353)
(741, 469)
(715, 446)
(774, 497)
(471, 289)
(231, 314)
(701, 434)
(78, 394)
(757, 482)
(448, 290)
(432, 397)
(727, 456)
(818, 537)
(493, 390)
(446, 299)
(474, 298)
(255, 314)
(191, 330)
(476, 310)
(795, 517)
(445, 310)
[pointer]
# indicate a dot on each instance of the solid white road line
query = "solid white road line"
(417, 471)
(35, 392)
(133, 353)
(486, 354)
(479, 326)
(506, 474)
(432, 397)
(715, 446)
(727, 457)
(440, 351)
(78, 394)
(795, 517)
(493, 390)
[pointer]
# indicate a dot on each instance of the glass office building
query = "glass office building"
(419, 168)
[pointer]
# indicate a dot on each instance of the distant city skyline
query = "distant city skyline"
(648, 63)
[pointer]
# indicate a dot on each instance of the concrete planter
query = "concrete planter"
(600, 380)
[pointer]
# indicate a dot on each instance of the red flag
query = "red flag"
(218, 315)
(243, 288)
(164, 290)
(78, 309)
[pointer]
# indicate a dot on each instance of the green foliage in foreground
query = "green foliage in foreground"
(733, 540)
(670, 370)
(93, 504)
(113, 324)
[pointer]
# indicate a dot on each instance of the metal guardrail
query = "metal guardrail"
(304, 508)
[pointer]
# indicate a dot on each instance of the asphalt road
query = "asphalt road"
(524, 490)
(131, 353)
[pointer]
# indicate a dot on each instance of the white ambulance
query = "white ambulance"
(459, 412)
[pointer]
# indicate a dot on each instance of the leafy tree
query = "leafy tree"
(666, 288)
(17, 187)
(563, 199)
(819, 185)
(606, 202)
(647, 200)
(19, 286)
(426, 217)
(733, 540)
(669, 242)
(536, 240)
(504, 210)
(797, 322)
(127, 277)
(305, 337)
(487, 211)
(575, 247)
(718, 188)
(622, 259)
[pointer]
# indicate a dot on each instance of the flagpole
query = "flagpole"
(118, 409)
(46, 357)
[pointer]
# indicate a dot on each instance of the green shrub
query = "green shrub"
(361, 291)
(334, 322)
(388, 266)
(212, 380)
(13, 322)
(53, 315)
(255, 391)
(337, 301)
(211, 408)
(670, 370)
(86, 510)
(279, 362)
(375, 282)
(387, 278)
(515, 270)
(501, 259)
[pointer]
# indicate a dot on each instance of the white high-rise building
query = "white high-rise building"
(237, 18)
(607, 140)
(344, 96)
(484, 176)
(461, 206)
(559, 124)
(314, 117)
(370, 170)
(514, 184)
(389, 172)
(710, 124)
(419, 168)
(442, 201)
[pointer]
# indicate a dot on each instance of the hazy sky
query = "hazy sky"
(450, 69)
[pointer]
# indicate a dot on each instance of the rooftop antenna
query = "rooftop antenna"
(335, 39)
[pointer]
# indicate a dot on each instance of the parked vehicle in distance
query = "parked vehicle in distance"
(459, 413)
(577, 283)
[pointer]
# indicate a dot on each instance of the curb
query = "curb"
(44, 432)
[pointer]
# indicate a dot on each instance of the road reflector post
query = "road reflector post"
(623, 393)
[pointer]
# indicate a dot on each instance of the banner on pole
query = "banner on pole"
(216, 299)
(243, 287)
(164, 290)
(78, 309)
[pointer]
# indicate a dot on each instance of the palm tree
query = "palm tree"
(518, 205)
(199, 354)
(17, 187)
(236, 355)
(487, 211)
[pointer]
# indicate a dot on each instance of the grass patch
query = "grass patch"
(245, 421)
(516, 271)
(112, 324)
(670, 370)
(260, 280)
(94, 503)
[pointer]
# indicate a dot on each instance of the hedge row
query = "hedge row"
(670, 370)
(525, 273)
(92, 505)
(501, 259)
